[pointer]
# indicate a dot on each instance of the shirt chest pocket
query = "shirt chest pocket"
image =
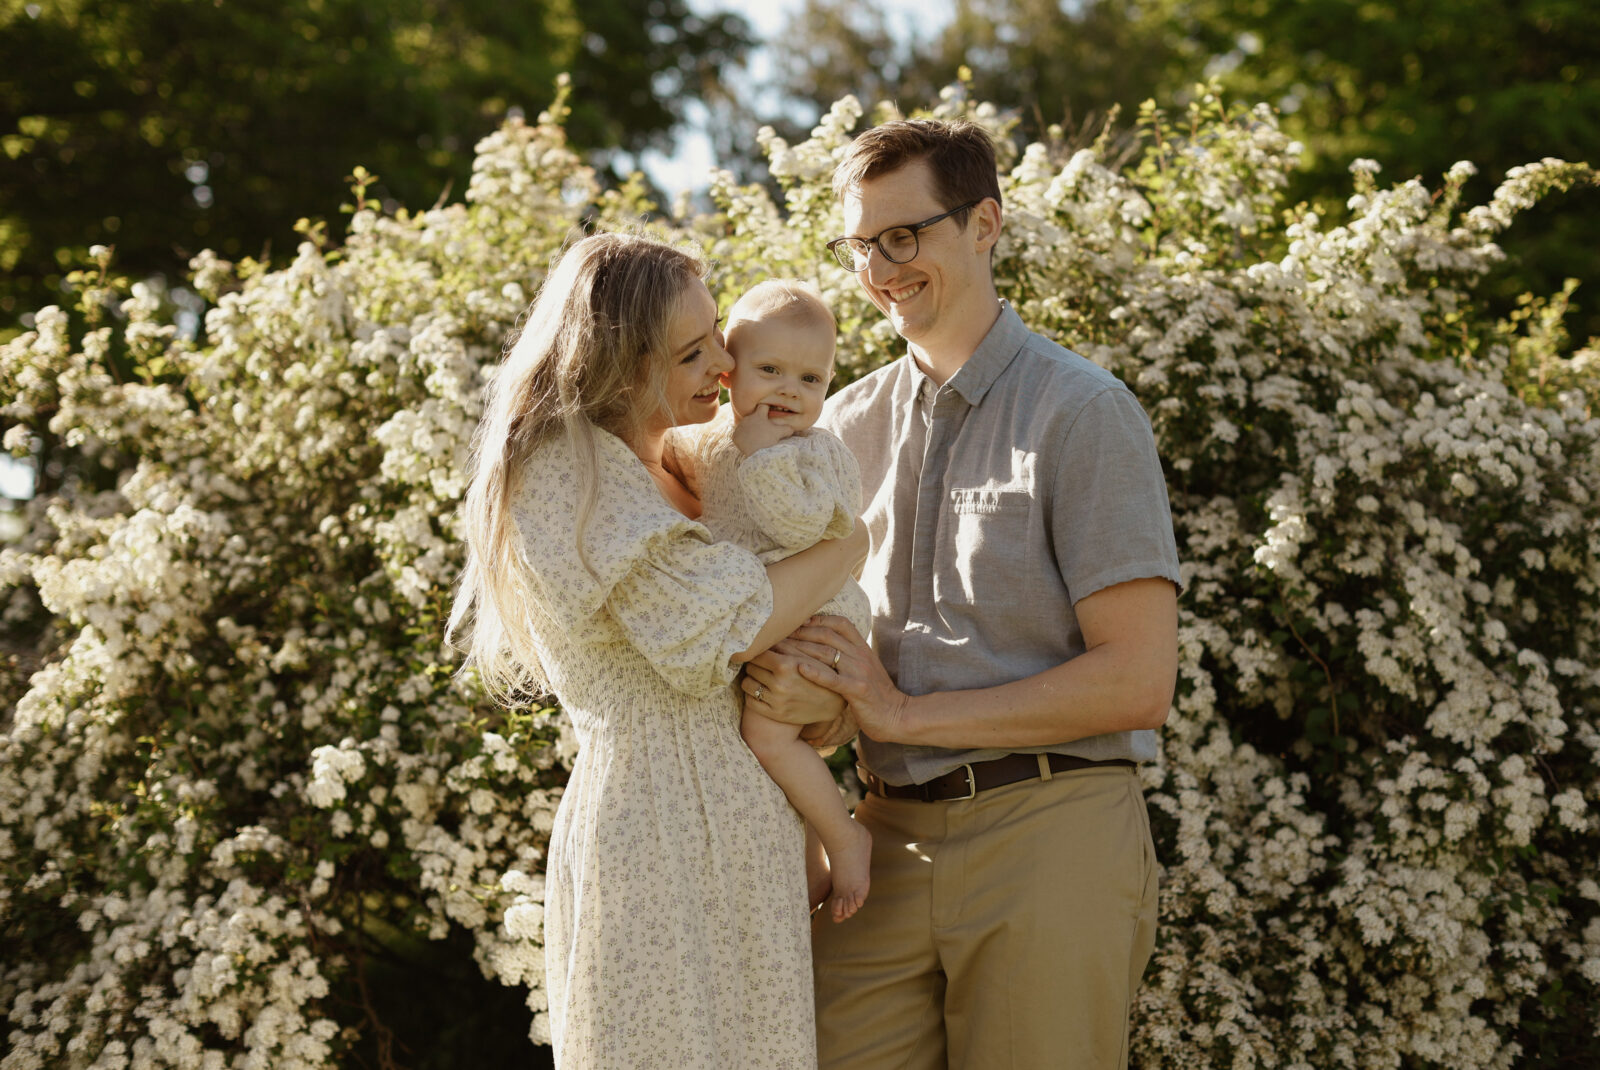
(990, 536)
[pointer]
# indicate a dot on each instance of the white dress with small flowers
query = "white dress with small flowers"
(675, 916)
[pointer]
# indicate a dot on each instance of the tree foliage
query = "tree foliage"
(1413, 84)
(1418, 86)
(243, 793)
(1067, 64)
(167, 126)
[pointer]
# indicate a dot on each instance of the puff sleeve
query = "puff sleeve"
(689, 605)
(803, 489)
(648, 575)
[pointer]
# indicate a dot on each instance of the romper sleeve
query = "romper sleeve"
(648, 575)
(803, 489)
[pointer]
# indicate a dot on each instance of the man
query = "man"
(1023, 578)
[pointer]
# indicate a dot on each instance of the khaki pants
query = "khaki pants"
(1004, 931)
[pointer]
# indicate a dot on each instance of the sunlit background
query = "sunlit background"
(157, 128)
(684, 169)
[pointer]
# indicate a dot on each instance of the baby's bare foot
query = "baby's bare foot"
(851, 868)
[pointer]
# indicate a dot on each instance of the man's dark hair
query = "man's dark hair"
(959, 153)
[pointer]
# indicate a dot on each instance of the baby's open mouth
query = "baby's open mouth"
(781, 410)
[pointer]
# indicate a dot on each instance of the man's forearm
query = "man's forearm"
(1122, 682)
(1093, 694)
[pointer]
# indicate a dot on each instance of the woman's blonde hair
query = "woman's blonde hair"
(592, 353)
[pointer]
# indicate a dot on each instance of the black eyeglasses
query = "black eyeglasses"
(897, 244)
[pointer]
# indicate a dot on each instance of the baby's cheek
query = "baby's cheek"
(742, 404)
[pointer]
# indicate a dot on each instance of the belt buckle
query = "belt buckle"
(972, 785)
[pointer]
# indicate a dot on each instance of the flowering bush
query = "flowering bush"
(237, 760)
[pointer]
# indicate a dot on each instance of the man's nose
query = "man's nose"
(878, 266)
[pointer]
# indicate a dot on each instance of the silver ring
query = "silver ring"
(761, 689)
(836, 655)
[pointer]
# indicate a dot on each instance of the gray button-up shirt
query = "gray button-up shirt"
(1027, 481)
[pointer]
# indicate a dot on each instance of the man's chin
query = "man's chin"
(906, 327)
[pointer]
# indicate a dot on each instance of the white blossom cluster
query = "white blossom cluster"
(1378, 803)
(236, 760)
(234, 734)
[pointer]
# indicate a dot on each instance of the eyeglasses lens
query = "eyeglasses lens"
(898, 246)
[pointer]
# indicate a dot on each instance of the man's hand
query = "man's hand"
(758, 431)
(841, 661)
(829, 736)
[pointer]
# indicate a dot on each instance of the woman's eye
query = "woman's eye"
(692, 357)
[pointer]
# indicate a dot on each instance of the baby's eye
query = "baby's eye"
(811, 377)
(769, 369)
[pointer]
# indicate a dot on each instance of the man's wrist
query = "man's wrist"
(904, 722)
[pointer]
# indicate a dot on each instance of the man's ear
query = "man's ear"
(986, 219)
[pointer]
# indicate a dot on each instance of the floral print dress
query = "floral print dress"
(675, 917)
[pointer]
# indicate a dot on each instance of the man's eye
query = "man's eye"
(899, 239)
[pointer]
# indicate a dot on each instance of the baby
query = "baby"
(774, 484)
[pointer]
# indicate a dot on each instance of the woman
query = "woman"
(675, 924)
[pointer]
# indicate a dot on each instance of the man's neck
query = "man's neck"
(941, 360)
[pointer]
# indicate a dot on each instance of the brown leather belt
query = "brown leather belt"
(968, 780)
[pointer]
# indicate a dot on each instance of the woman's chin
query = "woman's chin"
(698, 411)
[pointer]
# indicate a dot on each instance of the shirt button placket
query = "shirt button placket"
(930, 502)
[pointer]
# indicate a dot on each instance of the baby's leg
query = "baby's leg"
(805, 779)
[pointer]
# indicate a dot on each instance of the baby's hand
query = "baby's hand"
(758, 431)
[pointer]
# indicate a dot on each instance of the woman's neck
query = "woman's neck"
(651, 449)
(648, 446)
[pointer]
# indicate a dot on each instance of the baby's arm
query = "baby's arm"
(802, 489)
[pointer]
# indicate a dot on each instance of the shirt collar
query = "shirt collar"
(993, 355)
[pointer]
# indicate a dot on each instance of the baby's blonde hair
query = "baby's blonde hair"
(592, 354)
(781, 299)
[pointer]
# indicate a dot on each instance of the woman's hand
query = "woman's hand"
(773, 687)
(841, 661)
